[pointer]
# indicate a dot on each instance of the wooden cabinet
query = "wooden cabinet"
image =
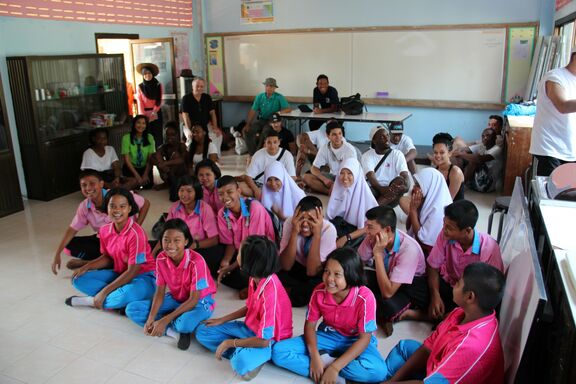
(518, 130)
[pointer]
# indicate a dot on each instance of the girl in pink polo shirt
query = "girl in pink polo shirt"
(348, 311)
(268, 313)
(189, 301)
(207, 172)
(125, 270)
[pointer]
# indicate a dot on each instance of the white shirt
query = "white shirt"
(261, 159)
(198, 156)
(405, 145)
(90, 160)
(318, 137)
(390, 168)
(494, 166)
(554, 133)
(333, 157)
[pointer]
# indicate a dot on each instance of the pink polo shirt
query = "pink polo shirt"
(201, 221)
(328, 239)
(212, 198)
(192, 274)
(129, 247)
(88, 214)
(405, 261)
(234, 230)
(467, 353)
(450, 260)
(269, 313)
(355, 315)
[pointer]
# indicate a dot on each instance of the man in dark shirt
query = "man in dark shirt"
(325, 99)
(287, 140)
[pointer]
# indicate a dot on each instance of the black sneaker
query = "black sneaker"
(184, 341)
(68, 301)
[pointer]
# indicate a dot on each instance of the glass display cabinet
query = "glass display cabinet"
(57, 101)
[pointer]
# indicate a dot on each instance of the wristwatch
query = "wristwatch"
(348, 238)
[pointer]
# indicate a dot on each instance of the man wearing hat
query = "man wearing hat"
(149, 99)
(385, 168)
(553, 139)
(287, 140)
(264, 105)
(403, 143)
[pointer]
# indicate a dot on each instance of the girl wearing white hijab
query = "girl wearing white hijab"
(280, 193)
(350, 199)
(426, 213)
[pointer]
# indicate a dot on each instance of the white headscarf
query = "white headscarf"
(436, 197)
(351, 203)
(288, 197)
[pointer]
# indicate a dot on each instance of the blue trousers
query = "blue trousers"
(138, 312)
(292, 354)
(243, 360)
(399, 355)
(141, 287)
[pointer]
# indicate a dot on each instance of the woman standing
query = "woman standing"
(149, 98)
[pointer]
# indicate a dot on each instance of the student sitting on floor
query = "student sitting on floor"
(280, 194)
(91, 211)
(442, 147)
(425, 207)
(495, 122)
(402, 142)
(307, 240)
(287, 140)
(138, 147)
(308, 145)
(385, 168)
(395, 268)
(170, 159)
(189, 300)
(201, 147)
(458, 245)
(125, 271)
(268, 313)
(344, 344)
(238, 219)
(466, 347)
(348, 203)
(102, 157)
(254, 177)
(207, 173)
(330, 155)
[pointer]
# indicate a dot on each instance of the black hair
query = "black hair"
(322, 76)
(179, 225)
(333, 124)
(145, 141)
(93, 133)
(383, 215)
(226, 180)
(487, 283)
(498, 118)
(463, 212)
(443, 138)
(273, 133)
(89, 172)
(351, 264)
(172, 124)
(309, 203)
(193, 144)
(134, 209)
(194, 183)
(207, 163)
(259, 257)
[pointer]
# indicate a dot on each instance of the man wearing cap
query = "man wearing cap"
(403, 143)
(553, 140)
(385, 168)
(264, 105)
(287, 140)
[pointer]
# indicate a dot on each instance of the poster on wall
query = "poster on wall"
(215, 60)
(181, 51)
(520, 51)
(561, 3)
(256, 11)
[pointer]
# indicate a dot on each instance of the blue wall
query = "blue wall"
(221, 16)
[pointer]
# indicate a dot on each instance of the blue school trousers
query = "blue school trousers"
(399, 355)
(292, 354)
(140, 288)
(243, 360)
(138, 312)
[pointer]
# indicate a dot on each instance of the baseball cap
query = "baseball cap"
(376, 129)
(275, 117)
(397, 127)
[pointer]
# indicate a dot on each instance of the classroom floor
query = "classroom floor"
(44, 341)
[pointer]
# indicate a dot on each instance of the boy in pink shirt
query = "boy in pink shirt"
(395, 268)
(466, 347)
(458, 245)
(238, 219)
(268, 313)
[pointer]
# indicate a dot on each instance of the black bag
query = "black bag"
(352, 105)
(276, 223)
(158, 227)
(343, 228)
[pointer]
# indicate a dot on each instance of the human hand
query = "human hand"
(341, 242)
(145, 179)
(116, 182)
(316, 110)
(316, 368)
(79, 272)
(139, 180)
(225, 269)
(223, 347)
(380, 244)
(330, 375)
(99, 299)
(417, 199)
(296, 221)
(148, 327)
(159, 328)
(436, 308)
(56, 262)
(316, 221)
(214, 322)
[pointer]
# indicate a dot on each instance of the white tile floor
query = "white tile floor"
(44, 341)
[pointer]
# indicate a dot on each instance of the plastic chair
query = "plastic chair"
(501, 205)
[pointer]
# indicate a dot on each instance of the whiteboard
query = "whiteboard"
(420, 64)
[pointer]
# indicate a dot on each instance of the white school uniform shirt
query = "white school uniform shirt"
(318, 137)
(405, 145)
(333, 157)
(261, 159)
(394, 164)
(198, 156)
(90, 160)
(494, 166)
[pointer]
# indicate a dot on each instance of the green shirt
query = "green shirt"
(266, 106)
(132, 150)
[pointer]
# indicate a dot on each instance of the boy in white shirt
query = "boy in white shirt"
(308, 145)
(403, 143)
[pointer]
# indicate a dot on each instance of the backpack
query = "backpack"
(352, 105)
(276, 223)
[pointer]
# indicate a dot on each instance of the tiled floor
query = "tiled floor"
(44, 341)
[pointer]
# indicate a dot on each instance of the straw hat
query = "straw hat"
(152, 67)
